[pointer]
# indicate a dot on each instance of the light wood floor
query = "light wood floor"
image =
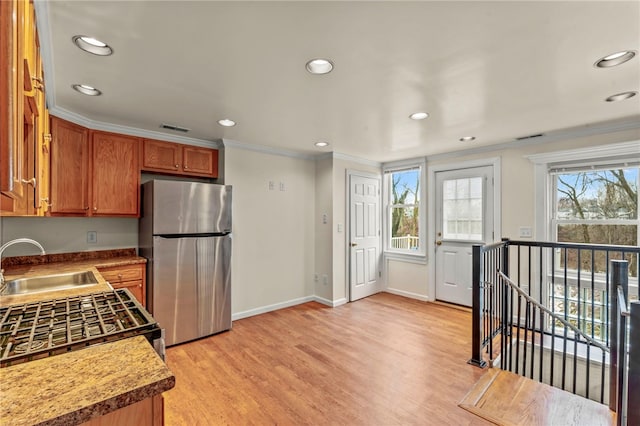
(383, 360)
(508, 399)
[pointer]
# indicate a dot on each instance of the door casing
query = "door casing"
(495, 162)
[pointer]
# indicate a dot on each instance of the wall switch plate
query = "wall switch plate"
(315, 278)
(325, 279)
(272, 185)
(325, 218)
(340, 227)
(92, 237)
(282, 186)
(525, 232)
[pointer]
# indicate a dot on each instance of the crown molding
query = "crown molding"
(351, 158)
(625, 149)
(126, 130)
(266, 149)
(556, 136)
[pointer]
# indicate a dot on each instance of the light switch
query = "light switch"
(272, 185)
(525, 232)
(340, 227)
(282, 187)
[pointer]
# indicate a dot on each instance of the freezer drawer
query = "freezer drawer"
(191, 294)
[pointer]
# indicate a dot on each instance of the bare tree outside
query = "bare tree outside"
(405, 209)
(598, 207)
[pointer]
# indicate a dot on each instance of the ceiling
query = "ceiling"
(494, 70)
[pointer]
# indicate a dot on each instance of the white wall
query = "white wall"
(273, 230)
(323, 246)
(68, 234)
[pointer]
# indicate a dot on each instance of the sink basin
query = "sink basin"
(49, 282)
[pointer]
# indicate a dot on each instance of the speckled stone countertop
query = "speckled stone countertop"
(76, 386)
(33, 266)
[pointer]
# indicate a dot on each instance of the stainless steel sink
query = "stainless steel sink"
(49, 282)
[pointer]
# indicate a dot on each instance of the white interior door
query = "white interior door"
(364, 236)
(464, 217)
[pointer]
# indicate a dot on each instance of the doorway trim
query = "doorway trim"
(495, 162)
(347, 229)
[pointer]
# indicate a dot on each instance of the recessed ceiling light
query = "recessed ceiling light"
(321, 144)
(621, 96)
(319, 66)
(92, 45)
(226, 122)
(86, 90)
(615, 59)
(467, 138)
(418, 115)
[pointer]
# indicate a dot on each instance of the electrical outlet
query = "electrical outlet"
(325, 218)
(92, 237)
(315, 278)
(340, 227)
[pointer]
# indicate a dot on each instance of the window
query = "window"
(404, 221)
(597, 205)
(462, 209)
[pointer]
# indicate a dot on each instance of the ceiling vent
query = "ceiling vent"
(172, 127)
(522, 138)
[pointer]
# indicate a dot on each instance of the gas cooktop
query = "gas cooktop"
(41, 329)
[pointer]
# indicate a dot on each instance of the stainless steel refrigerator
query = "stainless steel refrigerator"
(185, 234)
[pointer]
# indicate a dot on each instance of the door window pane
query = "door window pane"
(462, 209)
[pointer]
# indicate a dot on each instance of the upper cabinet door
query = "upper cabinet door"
(69, 168)
(115, 175)
(200, 161)
(161, 156)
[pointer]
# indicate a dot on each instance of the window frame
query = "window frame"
(387, 170)
(547, 165)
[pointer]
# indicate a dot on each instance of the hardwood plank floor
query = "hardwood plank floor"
(383, 360)
(508, 399)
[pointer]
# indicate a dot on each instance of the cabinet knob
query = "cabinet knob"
(95, 209)
(185, 167)
(31, 182)
(139, 285)
(119, 276)
(177, 166)
(86, 208)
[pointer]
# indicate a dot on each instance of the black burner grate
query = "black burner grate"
(40, 329)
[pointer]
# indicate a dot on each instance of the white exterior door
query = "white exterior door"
(464, 217)
(364, 236)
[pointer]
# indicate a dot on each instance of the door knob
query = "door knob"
(439, 243)
(353, 244)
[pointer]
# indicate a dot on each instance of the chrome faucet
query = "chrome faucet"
(10, 243)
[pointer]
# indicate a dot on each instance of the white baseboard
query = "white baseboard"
(408, 294)
(332, 303)
(274, 307)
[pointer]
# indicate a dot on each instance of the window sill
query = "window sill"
(419, 258)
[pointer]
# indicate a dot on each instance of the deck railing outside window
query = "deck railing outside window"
(408, 242)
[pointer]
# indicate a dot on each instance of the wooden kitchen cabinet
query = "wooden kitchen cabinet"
(132, 277)
(23, 132)
(69, 169)
(115, 177)
(148, 412)
(178, 159)
(93, 173)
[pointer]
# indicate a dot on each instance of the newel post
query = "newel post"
(476, 314)
(619, 276)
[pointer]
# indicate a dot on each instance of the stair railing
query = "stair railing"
(569, 340)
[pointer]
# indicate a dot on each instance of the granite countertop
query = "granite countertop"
(74, 387)
(33, 266)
